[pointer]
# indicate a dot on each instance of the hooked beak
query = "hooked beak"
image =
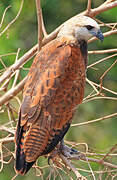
(99, 34)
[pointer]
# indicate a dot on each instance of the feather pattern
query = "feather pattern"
(54, 87)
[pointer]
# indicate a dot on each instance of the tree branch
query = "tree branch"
(96, 120)
(39, 17)
(103, 51)
(47, 39)
(67, 162)
(12, 92)
(89, 5)
(26, 57)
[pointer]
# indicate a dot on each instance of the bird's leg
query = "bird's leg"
(67, 151)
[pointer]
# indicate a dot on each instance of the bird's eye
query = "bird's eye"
(89, 27)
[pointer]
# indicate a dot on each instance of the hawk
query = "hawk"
(54, 87)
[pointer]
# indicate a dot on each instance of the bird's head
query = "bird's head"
(80, 28)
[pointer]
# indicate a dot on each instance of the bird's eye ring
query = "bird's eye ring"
(89, 27)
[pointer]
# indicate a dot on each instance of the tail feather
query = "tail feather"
(21, 166)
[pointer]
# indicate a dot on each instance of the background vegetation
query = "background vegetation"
(101, 136)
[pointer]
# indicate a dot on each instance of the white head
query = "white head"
(81, 28)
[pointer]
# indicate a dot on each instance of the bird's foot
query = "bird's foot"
(67, 151)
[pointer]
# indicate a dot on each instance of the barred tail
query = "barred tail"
(21, 166)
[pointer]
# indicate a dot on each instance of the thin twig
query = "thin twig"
(18, 71)
(90, 82)
(43, 27)
(103, 51)
(10, 130)
(3, 16)
(96, 120)
(26, 57)
(89, 5)
(7, 140)
(101, 60)
(39, 17)
(90, 98)
(67, 162)
(12, 92)
(108, 90)
(102, 77)
(13, 19)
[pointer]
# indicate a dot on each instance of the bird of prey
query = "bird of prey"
(54, 87)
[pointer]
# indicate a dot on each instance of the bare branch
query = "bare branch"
(39, 17)
(13, 19)
(43, 27)
(101, 60)
(17, 72)
(108, 90)
(107, 164)
(96, 120)
(3, 16)
(100, 9)
(89, 5)
(103, 51)
(12, 92)
(18, 64)
(89, 82)
(10, 130)
(90, 98)
(67, 162)
(7, 140)
(102, 77)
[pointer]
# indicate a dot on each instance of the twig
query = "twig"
(7, 140)
(3, 63)
(97, 98)
(96, 120)
(43, 27)
(107, 164)
(109, 152)
(9, 54)
(90, 82)
(10, 130)
(108, 90)
(89, 6)
(102, 77)
(12, 92)
(18, 71)
(67, 162)
(3, 16)
(101, 60)
(27, 56)
(39, 17)
(102, 51)
(13, 19)
(94, 160)
(100, 9)
(1, 154)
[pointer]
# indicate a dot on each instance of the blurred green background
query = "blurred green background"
(100, 136)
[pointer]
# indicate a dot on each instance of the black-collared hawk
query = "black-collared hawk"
(54, 87)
